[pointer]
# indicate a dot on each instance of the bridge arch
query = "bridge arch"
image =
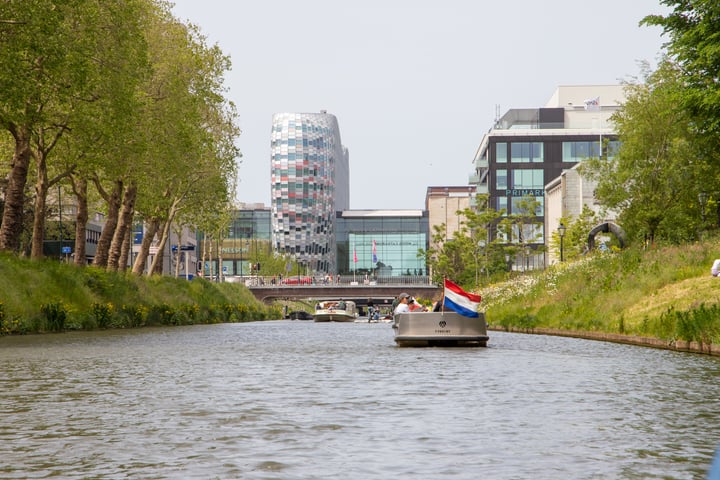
(607, 227)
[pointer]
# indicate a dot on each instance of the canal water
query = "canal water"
(304, 400)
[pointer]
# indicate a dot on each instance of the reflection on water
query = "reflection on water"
(299, 400)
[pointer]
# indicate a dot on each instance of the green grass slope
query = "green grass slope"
(664, 292)
(40, 296)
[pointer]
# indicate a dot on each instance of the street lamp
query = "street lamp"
(247, 252)
(561, 232)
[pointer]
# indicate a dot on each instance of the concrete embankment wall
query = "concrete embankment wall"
(677, 345)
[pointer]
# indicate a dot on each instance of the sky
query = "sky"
(414, 84)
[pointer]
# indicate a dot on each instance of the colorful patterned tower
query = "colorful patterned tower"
(310, 182)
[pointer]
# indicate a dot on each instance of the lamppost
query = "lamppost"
(247, 250)
(60, 220)
(561, 232)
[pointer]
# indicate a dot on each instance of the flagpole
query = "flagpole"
(442, 307)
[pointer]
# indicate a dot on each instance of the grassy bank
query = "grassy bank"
(49, 296)
(665, 293)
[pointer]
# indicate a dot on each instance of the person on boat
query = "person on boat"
(415, 306)
(715, 270)
(402, 306)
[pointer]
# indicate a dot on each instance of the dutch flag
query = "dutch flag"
(460, 301)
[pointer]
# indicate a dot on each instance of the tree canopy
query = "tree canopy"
(118, 95)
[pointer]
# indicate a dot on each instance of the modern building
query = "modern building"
(565, 197)
(310, 177)
(443, 205)
(528, 148)
(248, 238)
(382, 243)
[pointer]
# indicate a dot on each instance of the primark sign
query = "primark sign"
(521, 193)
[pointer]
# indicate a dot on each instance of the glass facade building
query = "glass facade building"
(382, 243)
(247, 240)
(248, 236)
(528, 148)
(310, 181)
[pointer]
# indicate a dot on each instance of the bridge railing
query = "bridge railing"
(309, 281)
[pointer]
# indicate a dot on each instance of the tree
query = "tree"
(194, 126)
(469, 254)
(654, 178)
(576, 234)
(694, 30)
(62, 55)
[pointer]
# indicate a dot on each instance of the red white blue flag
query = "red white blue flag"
(374, 252)
(460, 301)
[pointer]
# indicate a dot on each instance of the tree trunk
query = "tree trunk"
(79, 186)
(141, 260)
(41, 189)
(113, 201)
(12, 219)
(124, 224)
(126, 251)
(157, 264)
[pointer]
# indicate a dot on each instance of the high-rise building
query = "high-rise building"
(310, 182)
(528, 148)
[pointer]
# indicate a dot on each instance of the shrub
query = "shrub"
(102, 312)
(134, 315)
(55, 316)
(162, 314)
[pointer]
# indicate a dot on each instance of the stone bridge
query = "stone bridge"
(360, 294)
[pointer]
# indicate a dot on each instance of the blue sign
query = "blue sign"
(66, 249)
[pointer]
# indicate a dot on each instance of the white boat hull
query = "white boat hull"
(334, 316)
(335, 311)
(446, 329)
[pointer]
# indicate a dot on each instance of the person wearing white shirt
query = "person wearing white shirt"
(402, 306)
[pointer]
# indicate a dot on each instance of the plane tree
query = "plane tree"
(193, 130)
(58, 53)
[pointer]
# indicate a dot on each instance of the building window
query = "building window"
(578, 151)
(528, 179)
(502, 204)
(528, 233)
(501, 179)
(501, 152)
(539, 205)
(526, 152)
(613, 147)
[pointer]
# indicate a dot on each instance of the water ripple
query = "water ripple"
(298, 400)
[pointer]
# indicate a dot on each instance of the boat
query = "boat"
(440, 329)
(300, 315)
(335, 311)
